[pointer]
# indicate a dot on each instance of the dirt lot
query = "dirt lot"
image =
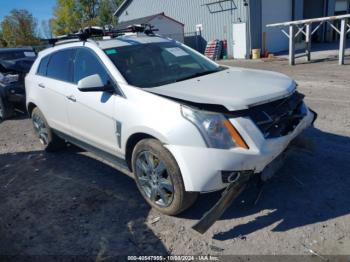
(70, 203)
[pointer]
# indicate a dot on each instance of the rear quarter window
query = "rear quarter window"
(42, 69)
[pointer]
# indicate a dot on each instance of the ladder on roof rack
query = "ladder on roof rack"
(95, 32)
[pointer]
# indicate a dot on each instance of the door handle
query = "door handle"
(72, 98)
(41, 85)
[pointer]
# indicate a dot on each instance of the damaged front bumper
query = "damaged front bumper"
(204, 169)
(235, 188)
(227, 197)
(238, 184)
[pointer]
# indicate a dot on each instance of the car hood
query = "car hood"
(233, 88)
(21, 65)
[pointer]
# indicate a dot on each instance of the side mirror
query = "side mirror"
(94, 83)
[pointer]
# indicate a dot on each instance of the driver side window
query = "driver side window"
(86, 64)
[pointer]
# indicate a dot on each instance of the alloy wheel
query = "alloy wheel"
(41, 129)
(154, 179)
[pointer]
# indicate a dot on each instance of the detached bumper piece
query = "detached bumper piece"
(315, 116)
(228, 196)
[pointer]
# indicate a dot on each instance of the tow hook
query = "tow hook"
(227, 197)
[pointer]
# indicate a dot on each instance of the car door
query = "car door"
(55, 82)
(92, 114)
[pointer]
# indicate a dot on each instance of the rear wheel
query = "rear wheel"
(159, 179)
(6, 110)
(48, 139)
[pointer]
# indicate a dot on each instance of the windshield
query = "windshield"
(155, 64)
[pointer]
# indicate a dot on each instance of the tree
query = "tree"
(88, 11)
(2, 41)
(116, 3)
(67, 18)
(73, 15)
(105, 13)
(19, 28)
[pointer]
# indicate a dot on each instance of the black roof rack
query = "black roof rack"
(95, 32)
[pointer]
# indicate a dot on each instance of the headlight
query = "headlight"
(8, 79)
(216, 130)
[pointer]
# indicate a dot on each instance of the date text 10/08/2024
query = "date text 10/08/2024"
(173, 258)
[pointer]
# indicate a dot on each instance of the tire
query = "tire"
(159, 179)
(6, 109)
(48, 139)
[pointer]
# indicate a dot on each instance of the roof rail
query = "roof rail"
(95, 32)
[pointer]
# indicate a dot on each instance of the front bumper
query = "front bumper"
(202, 168)
(14, 92)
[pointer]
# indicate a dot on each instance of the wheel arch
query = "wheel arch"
(131, 142)
(30, 108)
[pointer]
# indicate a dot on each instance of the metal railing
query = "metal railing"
(305, 27)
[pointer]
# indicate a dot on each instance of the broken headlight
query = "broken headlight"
(216, 130)
(7, 79)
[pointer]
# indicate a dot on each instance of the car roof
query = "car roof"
(128, 40)
(125, 40)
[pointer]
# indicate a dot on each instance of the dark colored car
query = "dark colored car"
(15, 63)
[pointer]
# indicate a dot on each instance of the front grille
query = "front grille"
(279, 118)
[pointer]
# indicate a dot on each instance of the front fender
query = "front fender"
(143, 130)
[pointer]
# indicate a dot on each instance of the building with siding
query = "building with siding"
(241, 22)
(165, 25)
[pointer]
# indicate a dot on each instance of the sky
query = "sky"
(40, 9)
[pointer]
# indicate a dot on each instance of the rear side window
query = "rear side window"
(60, 65)
(43, 66)
(87, 64)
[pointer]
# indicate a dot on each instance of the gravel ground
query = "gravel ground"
(70, 203)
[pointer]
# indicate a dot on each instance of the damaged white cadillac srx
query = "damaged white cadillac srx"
(183, 124)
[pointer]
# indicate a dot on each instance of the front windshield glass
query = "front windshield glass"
(156, 64)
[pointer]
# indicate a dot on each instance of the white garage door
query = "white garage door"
(275, 11)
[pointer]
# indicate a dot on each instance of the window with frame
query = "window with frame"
(42, 69)
(87, 64)
(155, 64)
(60, 65)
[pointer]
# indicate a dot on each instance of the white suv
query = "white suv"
(180, 122)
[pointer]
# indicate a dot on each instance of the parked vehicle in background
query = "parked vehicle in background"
(183, 124)
(15, 63)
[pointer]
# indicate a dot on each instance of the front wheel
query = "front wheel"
(159, 179)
